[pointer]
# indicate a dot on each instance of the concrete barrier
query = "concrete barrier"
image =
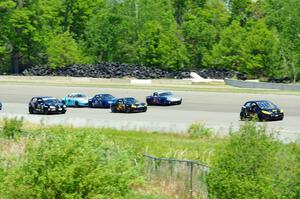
(262, 85)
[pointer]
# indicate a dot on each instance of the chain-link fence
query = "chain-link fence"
(184, 177)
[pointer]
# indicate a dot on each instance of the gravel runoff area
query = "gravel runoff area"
(219, 111)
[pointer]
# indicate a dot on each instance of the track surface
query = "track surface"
(217, 110)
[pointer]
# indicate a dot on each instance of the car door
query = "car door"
(70, 100)
(33, 103)
(120, 105)
(99, 101)
(155, 98)
(40, 105)
(251, 109)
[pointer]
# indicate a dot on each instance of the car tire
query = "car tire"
(76, 104)
(113, 109)
(46, 112)
(127, 110)
(63, 112)
(30, 110)
(90, 104)
(145, 109)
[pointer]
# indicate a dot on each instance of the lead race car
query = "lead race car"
(76, 100)
(263, 110)
(128, 105)
(101, 101)
(46, 105)
(163, 98)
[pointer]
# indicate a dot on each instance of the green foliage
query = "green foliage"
(198, 130)
(63, 50)
(259, 38)
(12, 127)
(71, 166)
(253, 165)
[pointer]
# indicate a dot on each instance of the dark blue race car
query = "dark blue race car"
(163, 98)
(101, 101)
(128, 105)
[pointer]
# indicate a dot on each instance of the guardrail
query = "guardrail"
(186, 176)
(262, 85)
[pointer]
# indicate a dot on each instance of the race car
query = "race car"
(128, 105)
(263, 110)
(101, 101)
(76, 100)
(46, 105)
(163, 98)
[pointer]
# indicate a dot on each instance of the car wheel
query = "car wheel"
(113, 109)
(127, 110)
(76, 104)
(90, 104)
(46, 112)
(145, 109)
(30, 110)
(63, 112)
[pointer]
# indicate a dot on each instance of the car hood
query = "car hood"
(54, 104)
(82, 99)
(173, 97)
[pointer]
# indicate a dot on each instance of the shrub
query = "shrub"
(252, 165)
(12, 127)
(80, 165)
(198, 130)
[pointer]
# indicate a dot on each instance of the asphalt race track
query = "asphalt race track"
(216, 110)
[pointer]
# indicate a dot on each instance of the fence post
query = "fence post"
(191, 179)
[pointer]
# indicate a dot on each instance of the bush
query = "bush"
(12, 127)
(80, 165)
(198, 130)
(253, 165)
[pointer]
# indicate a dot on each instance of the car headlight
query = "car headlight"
(64, 106)
(52, 107)
(133, 106)
(266, 112)
(281, 110)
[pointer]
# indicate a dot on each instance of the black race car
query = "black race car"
(128, 105)
(262, 110)
(46, 105)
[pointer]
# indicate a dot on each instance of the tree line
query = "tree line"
(259, 38)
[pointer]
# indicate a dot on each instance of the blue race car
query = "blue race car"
(163, 98)
(101, 101)
(128, 105)
(76, 100)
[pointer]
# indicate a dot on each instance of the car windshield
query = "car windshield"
(80, 95)
(165, 94)
(107, 97)
(131, 100)
(266, 105)
(51, 100)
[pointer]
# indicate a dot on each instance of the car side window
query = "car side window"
(155, 94)
(39, 100)
(247, 105)
(34, 100)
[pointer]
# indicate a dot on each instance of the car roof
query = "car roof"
(160, 92)
(76, 94)
(252, 101)
(43, 97)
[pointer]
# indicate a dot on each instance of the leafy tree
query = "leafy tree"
(63, 50)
